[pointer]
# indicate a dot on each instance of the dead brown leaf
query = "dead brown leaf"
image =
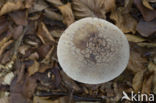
(38, 6)
(47, 58)
(17, 31)
(22, 49)
(147, 83)
(124, 20)
(92, 8)
(34, 56)
(22, 87)
(147, 14)
(29, 3)
(56, 3)
(44, 34)
(68, 17)
(134, 38)
(148, 45)
(41, 100)
(137, 81)
(43, 50)
(11, 6)
(3, 25)
(147, 5)
(57, 33)
(34, 68)
(146, 28)
(2, 48)
(152, 68)
(19, 17)
(53, 15)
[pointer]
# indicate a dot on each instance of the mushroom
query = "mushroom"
(93, 51)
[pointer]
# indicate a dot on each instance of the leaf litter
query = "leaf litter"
(30, 30)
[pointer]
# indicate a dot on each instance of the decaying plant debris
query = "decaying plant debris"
(29, 32)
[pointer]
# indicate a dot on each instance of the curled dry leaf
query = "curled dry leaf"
(44, 34)
(146, 28)
(134, 38)
(147, 5)
(47, 58)
(92, 8)
(147, 14)
(138, 80)
(19, 17)
(124, 20)
(68, 17)
(52, 15)
(11, 6)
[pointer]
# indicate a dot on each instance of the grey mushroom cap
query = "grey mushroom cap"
(93, 51)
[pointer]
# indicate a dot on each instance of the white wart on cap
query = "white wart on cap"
(93, 51)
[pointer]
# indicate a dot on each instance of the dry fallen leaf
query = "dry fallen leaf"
(147, 14)
(147, 83)
(17, 31)
(3, 24)
(3, 47)
(41, 100)
(147, 5)
(134, 38)
(152, 67)
(137, 81)
(53, 15)
(11, 6)
(44, 34)
(19, 17)
(148, 45)
(92, 8)
(68, 17)
(29, 3)
(56, 3)
(34, 68)
(38, 6)
(124, 20)
(146, 28)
